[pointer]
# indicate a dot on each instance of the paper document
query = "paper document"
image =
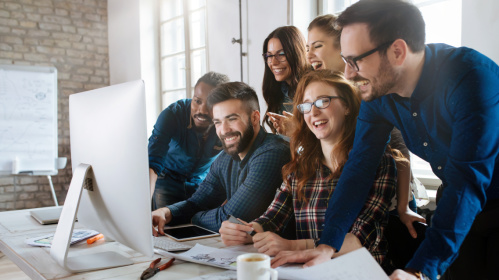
(357, 265)
(223, 258)
(46, 240)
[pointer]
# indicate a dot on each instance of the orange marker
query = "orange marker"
(95, 238)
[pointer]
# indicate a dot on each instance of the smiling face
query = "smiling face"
(199, 109)
(376, 76)
(321, 51)
(327, 123)
(280, 69)
(235, 127)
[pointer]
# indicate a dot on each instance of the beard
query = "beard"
(381, 84)
(206, 126)
(244, 140)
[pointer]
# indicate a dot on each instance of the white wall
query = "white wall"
(133, 48)
(260, 17)
(222, 19)
(263, 17)
(150, 59)
(480, 26)
(124, 43)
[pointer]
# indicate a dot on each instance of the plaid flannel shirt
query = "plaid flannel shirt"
(369, 225)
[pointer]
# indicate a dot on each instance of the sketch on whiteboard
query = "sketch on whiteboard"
(28, 114)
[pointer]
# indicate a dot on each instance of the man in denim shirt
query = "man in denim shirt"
(243, 180)
(183, 145)
(445, 102)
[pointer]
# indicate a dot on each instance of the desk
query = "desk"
(36, 262)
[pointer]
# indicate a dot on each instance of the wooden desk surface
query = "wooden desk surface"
(36, 262)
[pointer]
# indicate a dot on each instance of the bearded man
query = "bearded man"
(243, 180)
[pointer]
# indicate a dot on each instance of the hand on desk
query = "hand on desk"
(310, 257)
(160, 218)
(270, 243)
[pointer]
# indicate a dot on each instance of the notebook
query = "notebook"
(47, 216)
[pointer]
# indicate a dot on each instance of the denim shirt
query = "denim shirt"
(247, 186)
(451, 120)
(176, 149)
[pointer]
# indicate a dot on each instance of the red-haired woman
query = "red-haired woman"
(326, 109)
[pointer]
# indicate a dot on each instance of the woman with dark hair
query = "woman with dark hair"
(324, 118)
(285, 58)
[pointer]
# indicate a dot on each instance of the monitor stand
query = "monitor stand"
(82, 179)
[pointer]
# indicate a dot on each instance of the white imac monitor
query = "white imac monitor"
(110, 186)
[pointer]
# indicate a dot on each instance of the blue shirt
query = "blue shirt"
(248, 185)
(452, 121)
(176, 149)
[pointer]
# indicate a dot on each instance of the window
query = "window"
(183, 47)
(335, 6)
(442, 18)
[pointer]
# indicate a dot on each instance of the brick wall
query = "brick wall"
(70, 35)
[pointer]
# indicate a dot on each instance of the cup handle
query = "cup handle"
(273, 273)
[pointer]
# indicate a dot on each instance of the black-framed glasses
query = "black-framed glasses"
(280, 56)
(352, 61)
(321, 103)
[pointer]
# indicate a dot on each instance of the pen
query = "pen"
(251, 233)
(95, 238)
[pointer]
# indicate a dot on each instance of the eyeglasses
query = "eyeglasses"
(281, 56)
(321, 103)
(352, 61)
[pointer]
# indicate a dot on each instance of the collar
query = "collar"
(422, 89)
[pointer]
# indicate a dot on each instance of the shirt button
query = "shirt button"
(439, 167)
(425, 144)
(414, 114)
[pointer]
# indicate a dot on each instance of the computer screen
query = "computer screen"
(108, 132)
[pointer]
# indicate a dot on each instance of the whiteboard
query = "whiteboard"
(28, 120)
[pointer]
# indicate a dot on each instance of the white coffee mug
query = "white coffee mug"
(255, 266)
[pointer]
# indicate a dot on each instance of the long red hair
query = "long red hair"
(306, 151)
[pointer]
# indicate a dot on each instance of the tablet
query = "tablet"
(188, 232)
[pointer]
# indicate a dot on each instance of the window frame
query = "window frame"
(186, 15)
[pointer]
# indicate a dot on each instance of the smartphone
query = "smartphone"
(234, 220)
